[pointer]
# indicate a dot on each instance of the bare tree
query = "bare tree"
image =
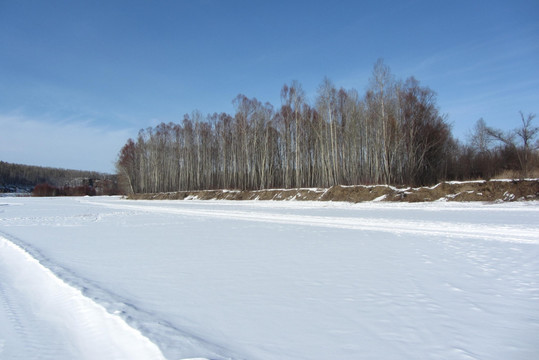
(327, 108)
(293, 98)
(394, 133)
(526, 134)
(381, 87)
(126, 165)
(480, 139)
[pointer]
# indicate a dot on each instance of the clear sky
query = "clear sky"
(78, 78)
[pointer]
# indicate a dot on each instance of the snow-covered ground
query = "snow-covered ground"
(106, 278)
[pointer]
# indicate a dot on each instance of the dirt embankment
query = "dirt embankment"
(492, 190)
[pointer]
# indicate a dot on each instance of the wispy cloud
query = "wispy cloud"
(64, 144)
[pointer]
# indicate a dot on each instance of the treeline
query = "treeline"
(490, 152)
(45, 189)
(392, 134)
(55, 181)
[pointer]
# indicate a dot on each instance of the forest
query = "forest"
(394, 133)
(47, 181)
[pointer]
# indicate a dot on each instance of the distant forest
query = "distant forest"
(392, 134)
(45, 181)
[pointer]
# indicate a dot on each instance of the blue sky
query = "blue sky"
(77, 79)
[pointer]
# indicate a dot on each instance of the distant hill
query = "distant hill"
(24, 178)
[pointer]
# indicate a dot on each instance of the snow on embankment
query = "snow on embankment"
(48, 319)
(481, 190)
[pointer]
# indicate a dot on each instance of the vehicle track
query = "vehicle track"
(19, 321)
(396, 226)
(44, 318)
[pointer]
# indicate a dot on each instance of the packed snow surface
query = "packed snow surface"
(107, 278)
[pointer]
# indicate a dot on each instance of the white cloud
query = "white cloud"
(73, 145)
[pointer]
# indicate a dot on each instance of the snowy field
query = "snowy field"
(106, 278)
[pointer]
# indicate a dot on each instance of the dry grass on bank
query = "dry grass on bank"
(480, 190)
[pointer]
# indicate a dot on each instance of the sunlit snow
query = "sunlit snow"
(100, 278)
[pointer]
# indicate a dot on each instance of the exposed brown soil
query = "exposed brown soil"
(489, 191)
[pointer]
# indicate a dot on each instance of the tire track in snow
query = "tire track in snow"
(174, 342)
(23, 332)
(51, 320)
(504, 233)
(11, 324)
(9, 310)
